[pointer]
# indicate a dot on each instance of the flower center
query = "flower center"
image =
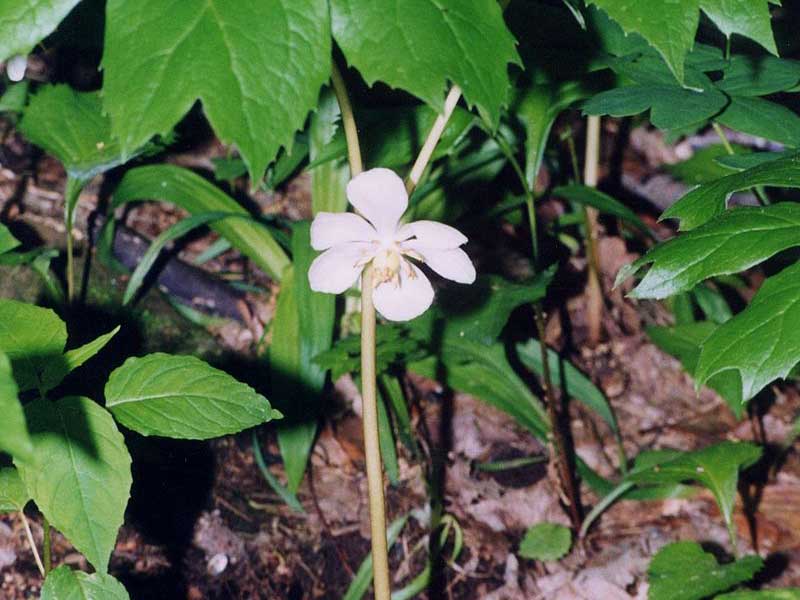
(386, 265)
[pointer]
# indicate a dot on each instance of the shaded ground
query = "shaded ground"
(202, 522)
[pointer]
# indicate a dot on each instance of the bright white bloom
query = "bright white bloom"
(402, 291)
(16, 67)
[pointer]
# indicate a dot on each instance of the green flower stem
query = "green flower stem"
(433, 138)
(32, 542)
(71, 193)
(46, 546)
(369, 394)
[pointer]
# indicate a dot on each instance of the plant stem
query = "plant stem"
(32, 543)
(369, 394)
(594, 290)
(433, 138)
(71, 193)
(46, 550)
(759, 190)
(558, 441)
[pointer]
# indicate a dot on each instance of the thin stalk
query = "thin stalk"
(71, 193)
(759, 190)
(46, 546)
(566, 474)
(433, 138)
(594, 289)
(369, 393)
(32, 543)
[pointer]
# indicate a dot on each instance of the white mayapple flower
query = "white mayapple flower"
(350, 242)
(16, 66)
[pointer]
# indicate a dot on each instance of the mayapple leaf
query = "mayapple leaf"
(684, 571)
(715, 467)
(13, 494)
(72, 126)
(66, 584)
(707, 201)
(545, 542)
(32, 337)
(56, 370)
(25, 24)
(182, 397)
(749, 18)
(196, 195)
(670, 29)
(81, 478)
(734, 241)
(419, 46)
(256, 67)
(746, 75)
(14, 438)
(761, 342)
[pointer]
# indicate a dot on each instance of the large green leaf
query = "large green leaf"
(182, 397)
(196, 195)
(32, 337)
(716, 468)
(747, 75)
(24, 24)
(589, 196)
(13, 495)
(303, 327)
(7, 241)
(72, 127)
(81, 478)
(707, 201)
(671, 28)
(761, 342)
(256, 67)
(66, 584)
(14, 438)
(734, 241)
(329, 179)
(419, 46)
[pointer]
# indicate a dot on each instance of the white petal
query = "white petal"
(432, 234)
(337, 269)
(452, 263)
(380, 195)
(408, 300)
(329, 229)
(16, 67)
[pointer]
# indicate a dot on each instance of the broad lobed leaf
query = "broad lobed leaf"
(25, 24)
(65, 583)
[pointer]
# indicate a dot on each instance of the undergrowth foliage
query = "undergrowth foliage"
(261, 73)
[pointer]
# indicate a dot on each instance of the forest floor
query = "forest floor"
(203, 523)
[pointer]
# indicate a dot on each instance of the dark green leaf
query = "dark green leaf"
(759, 75)
(32, 337)
(14, 438)
(704, 165)
(256, 68)
(749, 18)
(734, 241)
(684, 571)
(81, 478)
(707, 201)
(545, 542)
(182, 397)
(25, 24)
(303, 327)
(465, 42)
(740, 162)
(194, 194)
(762, 118)
(760, 343)
(65, 584)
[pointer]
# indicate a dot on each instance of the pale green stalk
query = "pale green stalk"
(32, 543)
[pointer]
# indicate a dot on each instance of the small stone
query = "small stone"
(217, 564)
